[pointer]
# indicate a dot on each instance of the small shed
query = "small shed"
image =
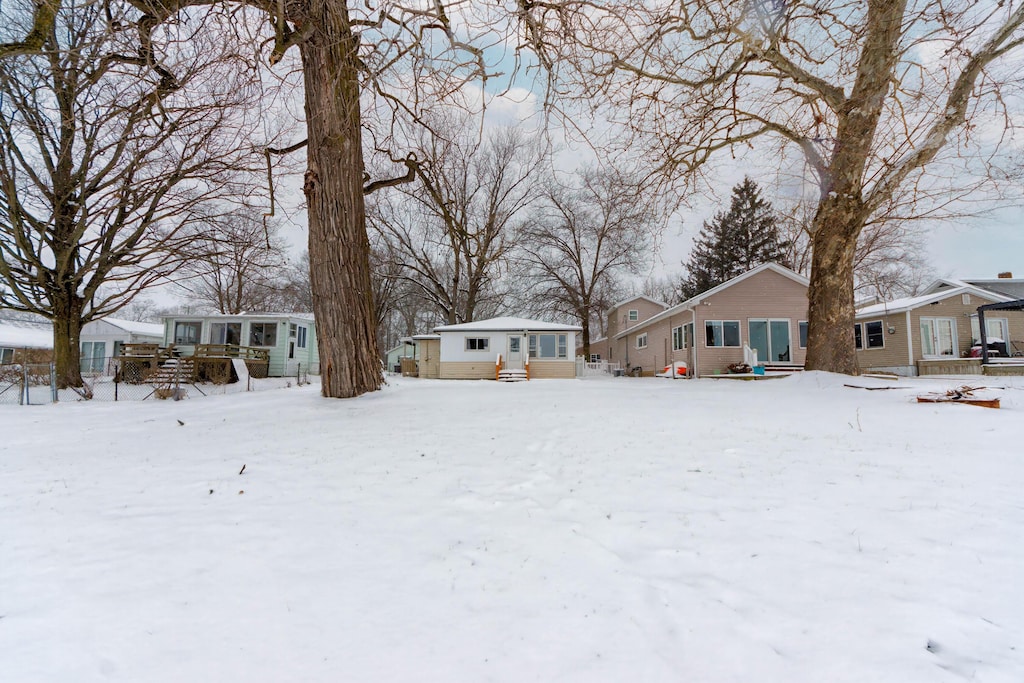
(405, 349)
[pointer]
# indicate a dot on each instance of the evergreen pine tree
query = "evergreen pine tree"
(733, 242)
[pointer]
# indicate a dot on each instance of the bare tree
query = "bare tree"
(871, 94)
(238, 264)
(448, 231)
(582, 238)
(296, 292)
(105, 166)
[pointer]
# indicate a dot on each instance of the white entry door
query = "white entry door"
(514, 352)
(938, 337)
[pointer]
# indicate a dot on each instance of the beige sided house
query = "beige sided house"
(764, 309)
(622, 316)
(474, 350)
(934, 333)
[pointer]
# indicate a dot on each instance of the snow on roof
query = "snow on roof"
(151, 329)
(19, 334)
(257, 314)
(506, 324)
(634, 298)
(912, 302)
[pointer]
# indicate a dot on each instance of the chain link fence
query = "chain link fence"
(27, 384)
(132, 380)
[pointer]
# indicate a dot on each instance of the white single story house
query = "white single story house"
(477, 350)
(103, 339)
(289, 338)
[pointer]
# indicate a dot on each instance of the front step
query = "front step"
(782, 368)
(509, 375)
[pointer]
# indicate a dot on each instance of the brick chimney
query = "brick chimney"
(1005, 276)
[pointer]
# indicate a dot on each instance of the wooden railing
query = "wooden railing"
(497, 367)
(231, 351)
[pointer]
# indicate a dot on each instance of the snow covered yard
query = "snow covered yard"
(599, 530)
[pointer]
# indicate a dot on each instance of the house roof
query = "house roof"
(910, 303)
(506, 324)
(135, 327)
(1012, 287)
(20, 334)
(238, 316)
(694, 301)
(634, 298)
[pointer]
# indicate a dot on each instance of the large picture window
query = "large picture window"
(262, 334)
(478, 343)
(722, 332)
(226, 333)
(187, 332)
(549, 346)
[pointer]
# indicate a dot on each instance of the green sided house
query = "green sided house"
(284, 340)
(513, 347)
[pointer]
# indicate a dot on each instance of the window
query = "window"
(996, 330)
(803, 334)
(478, 343)
(873, 332)
(262, 334)
(595, 358)
(857, 336)
(93, 357)
(641, 341)
(549, 346)
(187, 332)
(722, 332)
(634, 315)
(678, 341)
(226, 333)
(301, 337)
(6, 356)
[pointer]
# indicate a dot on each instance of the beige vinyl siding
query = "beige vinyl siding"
(552, 369)
(618, 319)
(473, 370)
(767, 295)
(894, 352)
(429, 351)
(659, 351)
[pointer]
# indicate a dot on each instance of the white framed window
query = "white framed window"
(6, 356)
(301, 336)
(995, 329)
(803, 334)
(226, 333)
(722, 333)
(678, 339)
(263, 334)
(641, 341)
(478, 343)
(633, 315)
(549, 346)
(187, 332)
(595, 358)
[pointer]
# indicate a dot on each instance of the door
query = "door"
(770, 338)
(938, 337)
(514, 352)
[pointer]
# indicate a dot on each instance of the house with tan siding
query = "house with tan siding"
(933, 332)
(764, 309)
(476, 350)
(623, 315)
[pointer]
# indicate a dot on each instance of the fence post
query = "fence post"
(53, 382)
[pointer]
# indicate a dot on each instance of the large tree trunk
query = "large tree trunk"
(830, 341)
(339, 251)
(67, 331)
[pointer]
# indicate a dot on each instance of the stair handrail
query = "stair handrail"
(497, 367)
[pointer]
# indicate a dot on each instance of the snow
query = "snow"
(25, 335)
(150, 329)
(554, 530)
(506, 324)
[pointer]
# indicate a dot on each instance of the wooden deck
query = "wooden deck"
(141, 363)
